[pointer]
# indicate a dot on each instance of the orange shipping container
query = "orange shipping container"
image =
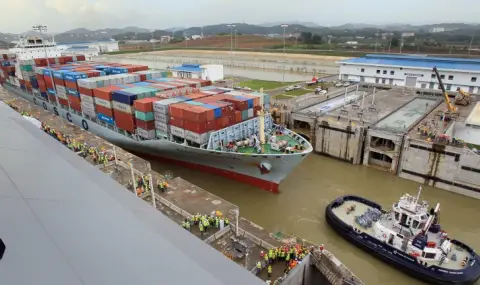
(71, 85)
(73, 99)
(197, 114)
(104, 110)
(145, 105)
(124, 121)
(105, 93)
(176, 110)
(146, 125)
(62, 101)
(85, 91)
(238, 116)
(177, 122)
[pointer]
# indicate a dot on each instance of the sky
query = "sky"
(62, 15)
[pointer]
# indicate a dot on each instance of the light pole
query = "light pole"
(284, 26)
(471, 42)
(376, 41)
(296, 37)
(41, 29)
(153, 39)
(231, 26)
(186, 39)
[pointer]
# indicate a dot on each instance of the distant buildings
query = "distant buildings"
(408, 34)
(436, 30)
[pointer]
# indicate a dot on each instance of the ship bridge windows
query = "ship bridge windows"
(415, 224)
(397, 216)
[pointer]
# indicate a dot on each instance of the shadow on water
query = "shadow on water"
(299, 208)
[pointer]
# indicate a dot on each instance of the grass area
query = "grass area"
(293, 94)
(267, 85)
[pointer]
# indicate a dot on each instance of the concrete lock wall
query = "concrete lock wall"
(338, 142)
(447, 167)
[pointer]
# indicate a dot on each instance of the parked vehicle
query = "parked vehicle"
(289, 88)
(247, 88)
(296, 87)
(338, 84)
(346, 84)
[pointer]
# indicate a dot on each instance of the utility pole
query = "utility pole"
(471, 42)
(401, 44)
(186, 39)
(284, 26)
(41, 29)
(153, 40)
(231, 26)
(296, 37)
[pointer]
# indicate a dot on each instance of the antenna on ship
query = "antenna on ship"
(418, 197)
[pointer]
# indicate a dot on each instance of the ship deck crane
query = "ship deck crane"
(451, 110)
(463, 98)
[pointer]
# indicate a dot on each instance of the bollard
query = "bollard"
(321, 247)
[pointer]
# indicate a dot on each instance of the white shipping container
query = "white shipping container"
(162, 127)
(197, 138)
(88, 109)
(161, 106)
(85, 98)
(122, 107)
(146, 134)
(61, 89)
(103, 103)
(162, 118)
(88, 105)
(62, 95)
(212, 72)
(250, 113)
(176, 131)
(85, 83)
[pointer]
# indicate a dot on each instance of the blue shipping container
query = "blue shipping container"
(142, 83)
(47, 72)
(44, 94)
(123, 97)
(118, 70)
(217, 111)
(34, 83)
(74, 76)
(250, 103)
(106, 119)
(59, 73)
(73, 92)
(51, 91)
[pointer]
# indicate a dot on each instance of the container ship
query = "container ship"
(183, 121)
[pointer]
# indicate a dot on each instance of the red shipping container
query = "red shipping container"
(105, 93)
(104, 110)
(73, 99)
(177, 122)
(51, 60)
(71, 84)
(217, 124)
(76, 106)
(210, 125)
(224, 121)
(52, 98)
(124, 121)
(81, 57)
(144, 105)
(85, 91)
(196, 127)
(42, 88)
(176, 110)
(146, 125)
(256, 110)
(62, 101)
(68, 59)
(197, 114)
(49, 83)
(143, 77)
(59, 81)
(231, 120)
(39, 77)
(238, 116)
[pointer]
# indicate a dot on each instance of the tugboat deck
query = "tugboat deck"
(360, 208)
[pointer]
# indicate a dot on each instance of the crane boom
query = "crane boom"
(450, 107)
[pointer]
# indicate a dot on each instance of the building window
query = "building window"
(432, 85)
(378, 71)
(392, 72)
(377, 80)
(424, 85)
(474, 79)
(450, 77)
(384, 72)
(449, 87)
(362, 70)
(442, 76)
(383, 80)
(433, 75)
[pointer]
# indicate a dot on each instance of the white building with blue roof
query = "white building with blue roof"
(212, 72)
(413, 71)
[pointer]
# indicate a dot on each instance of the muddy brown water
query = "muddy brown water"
(299, 209)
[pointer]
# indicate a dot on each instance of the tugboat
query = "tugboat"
(408, 236)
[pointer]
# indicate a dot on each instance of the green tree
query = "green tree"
(395, 42)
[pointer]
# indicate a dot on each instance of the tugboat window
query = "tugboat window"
(430, 255)
(397, 216)
(415, 224)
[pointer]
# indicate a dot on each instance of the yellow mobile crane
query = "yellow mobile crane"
(463, 98)
(451, 110)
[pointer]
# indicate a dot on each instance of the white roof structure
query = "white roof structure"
(65, 222)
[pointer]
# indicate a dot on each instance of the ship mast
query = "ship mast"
(261, 119)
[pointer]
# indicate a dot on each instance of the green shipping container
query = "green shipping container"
(244, 115)
(144, 116)
(26, 67)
